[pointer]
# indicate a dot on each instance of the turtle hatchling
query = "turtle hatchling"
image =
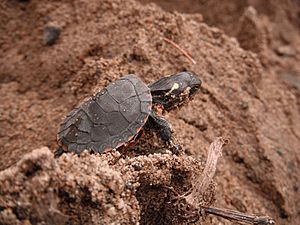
(116, 115)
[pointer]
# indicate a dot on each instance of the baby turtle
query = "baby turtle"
(115, 116)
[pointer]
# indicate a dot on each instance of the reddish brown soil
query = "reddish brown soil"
(250, 70)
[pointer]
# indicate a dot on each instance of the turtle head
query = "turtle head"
(174, 90)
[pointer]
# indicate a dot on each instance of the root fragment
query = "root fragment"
(189, 208)
(185, 53)
(239, 217)
(201, 185)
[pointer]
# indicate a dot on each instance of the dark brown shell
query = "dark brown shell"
(109, 119)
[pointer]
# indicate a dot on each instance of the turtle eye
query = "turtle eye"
(193, 90)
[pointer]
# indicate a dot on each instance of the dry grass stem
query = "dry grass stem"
(240, 217)
(185, 53)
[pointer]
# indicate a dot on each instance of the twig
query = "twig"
(201, 185)
(239, 217)
(185, 53)
(188, 206)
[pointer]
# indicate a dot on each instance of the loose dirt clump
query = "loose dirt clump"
(90, 189)
(72, 190)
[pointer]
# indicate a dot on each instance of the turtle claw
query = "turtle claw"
(174, 146)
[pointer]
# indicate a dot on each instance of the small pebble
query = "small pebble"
(286, 51)
(51, 34)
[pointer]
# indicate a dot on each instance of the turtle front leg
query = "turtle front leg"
(162, 127)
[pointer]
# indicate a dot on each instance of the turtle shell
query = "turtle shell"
(108, 119)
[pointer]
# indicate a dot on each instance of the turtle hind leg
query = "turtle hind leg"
(58, 152)
(163, 129)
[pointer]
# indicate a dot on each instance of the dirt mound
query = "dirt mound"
(81, 190)
(250, 93)
(91, 189)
